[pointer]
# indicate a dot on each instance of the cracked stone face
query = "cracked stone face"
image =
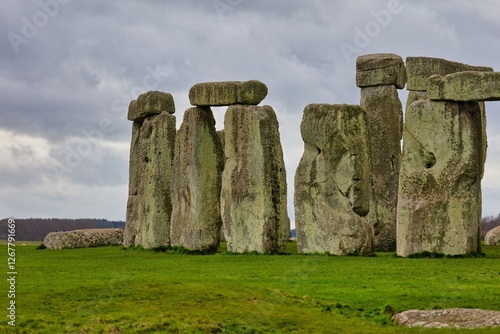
(332, 182)
(439, 206)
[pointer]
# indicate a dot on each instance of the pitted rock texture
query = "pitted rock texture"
(198, 163)
(380, 69)
(419, 69)
(227, 93)
(149, 205)
(492, 238)
(465, 86)
(332, 182)
(449, 318)
(84, 238)
(439, 205)
(253, 198)
(384, 114)
(150, 103)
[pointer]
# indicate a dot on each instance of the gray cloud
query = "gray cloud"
(91, 58)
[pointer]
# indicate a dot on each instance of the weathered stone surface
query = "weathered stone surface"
(380, 69)
(84, 238)
(222, 137)
(384, 114)
(149, 205)
(465, 86)
(419, 69)
(150, 103)
(415, 95)
(198, 164)
(227, 93)
(492, 238)
(449, 318)
(332, 181)
(253, 198)
(440, 179)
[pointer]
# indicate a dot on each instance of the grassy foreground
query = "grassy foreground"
(112, 290)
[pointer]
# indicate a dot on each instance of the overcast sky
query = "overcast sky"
(68, 70)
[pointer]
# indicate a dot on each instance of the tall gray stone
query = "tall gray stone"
(440, 179)
(149, 205)
(198, 163)
(332, 181)
(384, 114)
(253, 198)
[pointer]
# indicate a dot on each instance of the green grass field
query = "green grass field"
(113, 290)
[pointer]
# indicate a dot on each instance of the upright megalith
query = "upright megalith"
(332, 182)
(440, 179)
(151, 155)
(149, 206)
(227, 93)
(379, 76)
(253, 197)
(195, 190)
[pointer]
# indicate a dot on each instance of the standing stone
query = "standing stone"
(384, 114)
(222, 137)
(198, 164)
(440, 181)
(253, 198)
(149, 205)
(332, 182)
(227, 93)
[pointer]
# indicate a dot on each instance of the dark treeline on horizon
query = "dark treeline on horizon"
(35, 229)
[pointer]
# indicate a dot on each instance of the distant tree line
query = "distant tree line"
(35, 229)
(488, 223)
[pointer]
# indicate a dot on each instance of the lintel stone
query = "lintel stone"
(380, 69)
(465, 86)
(226, 93)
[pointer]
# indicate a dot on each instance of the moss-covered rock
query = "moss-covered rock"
(380, 69)
(439, 205)
(465, 86)
(419, 69)
(150, 103)
(492, 238)
(384, 114)
(84, 238)
(332, 182)
(198, 163)
(227, 93)
(149, 205)
(254, 192)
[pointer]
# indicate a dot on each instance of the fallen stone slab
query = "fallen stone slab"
(84, 238)
(225, 93)
(419, 69)
(449, 318)
(380, 69)
(493, 237)
(465, 86)
(150, 103)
